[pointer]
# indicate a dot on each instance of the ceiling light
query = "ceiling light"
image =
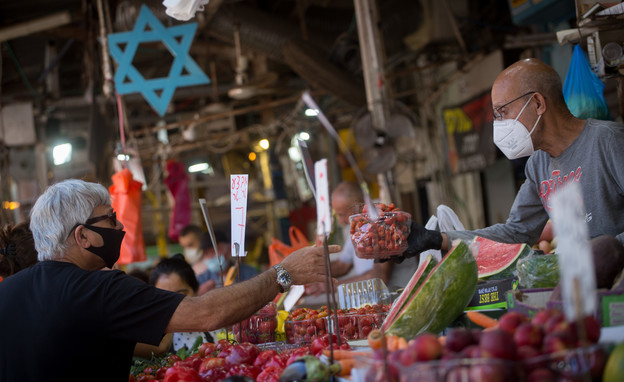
(294, 154)
(123, 157)
(311, 112)
(62, 153)
(10, 205)
(304, 136)
(252, 156)
(264, 143)
(201, 167)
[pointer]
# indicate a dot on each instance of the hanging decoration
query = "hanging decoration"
(177, 182)
(126, 199)
(157, 91)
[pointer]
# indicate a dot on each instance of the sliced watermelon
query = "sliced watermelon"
(497, 260)
(417, 279)
(441, 297)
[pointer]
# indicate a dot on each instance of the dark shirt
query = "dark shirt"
(59, 322)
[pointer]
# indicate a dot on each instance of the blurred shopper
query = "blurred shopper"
(17, 249)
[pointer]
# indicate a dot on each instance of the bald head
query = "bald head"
(346, 198)
(529, 75)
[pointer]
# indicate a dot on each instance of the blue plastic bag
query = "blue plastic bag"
(583, 91)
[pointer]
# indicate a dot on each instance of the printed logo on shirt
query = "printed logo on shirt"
(550, 186)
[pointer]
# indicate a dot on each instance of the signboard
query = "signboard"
(469, 135)
(238, 198)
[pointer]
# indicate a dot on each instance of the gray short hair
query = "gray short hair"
(59, 209)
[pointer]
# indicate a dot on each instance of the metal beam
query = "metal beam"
(35, 26)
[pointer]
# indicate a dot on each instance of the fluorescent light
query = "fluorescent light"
(264, 143)
(201, 167)
(294, 154)
(311, 112)
(304, 136)
(62, 153)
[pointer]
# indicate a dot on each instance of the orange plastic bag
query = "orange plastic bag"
(278, 250)
(126, 200)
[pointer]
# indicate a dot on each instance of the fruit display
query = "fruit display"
(538, 271)
(497, 260)
(305, 325)
(383, 237)
(441, 297)
(515, 348)
(259, 328)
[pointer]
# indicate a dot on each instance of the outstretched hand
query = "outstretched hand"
(419, 240)
(307, 265)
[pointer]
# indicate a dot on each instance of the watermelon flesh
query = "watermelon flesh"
(441, 297)
(497, 260)
(417, 279)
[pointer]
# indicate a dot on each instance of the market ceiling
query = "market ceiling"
(286, 46)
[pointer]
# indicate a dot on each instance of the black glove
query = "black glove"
(419, 240)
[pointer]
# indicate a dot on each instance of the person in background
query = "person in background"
(175, 275)
(190, 240)
(532, 119)
(209, 269)
(346, 200)
(65, 312)
(17, 249)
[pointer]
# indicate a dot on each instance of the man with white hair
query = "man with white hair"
(65, 313)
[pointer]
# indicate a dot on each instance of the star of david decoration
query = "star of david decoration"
(184, 70)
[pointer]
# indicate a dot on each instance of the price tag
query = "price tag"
(323, 211)
(294, 294)
(238, 198)
(576, 266)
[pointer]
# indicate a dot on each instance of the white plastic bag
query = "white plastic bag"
(446, 220)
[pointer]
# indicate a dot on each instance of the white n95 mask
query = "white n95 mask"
(512, 137)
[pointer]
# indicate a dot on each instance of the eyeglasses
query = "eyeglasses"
(498, 116)
(111, 216)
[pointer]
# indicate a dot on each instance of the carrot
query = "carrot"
(376, 339)
(481, 319)
(345, 366)
(346, 354)
(396, 343)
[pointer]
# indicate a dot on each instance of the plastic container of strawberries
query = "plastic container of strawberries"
(382, 237)
(259, 328)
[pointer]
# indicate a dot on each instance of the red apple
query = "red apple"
(488, 373)
(542, 375)
(528, 334)
(526, 352)
(511, 320)
(555, 342)
(497, 344)
(425, 347)
(458, 338)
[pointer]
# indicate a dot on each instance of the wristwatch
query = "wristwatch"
(283, 278)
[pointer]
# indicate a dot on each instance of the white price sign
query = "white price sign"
(238, 198)
(576, 265)
(323, 211)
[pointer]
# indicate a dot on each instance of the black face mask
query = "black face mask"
(109, 252)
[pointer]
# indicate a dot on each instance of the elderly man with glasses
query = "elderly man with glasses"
(532, 119)
(65, 318)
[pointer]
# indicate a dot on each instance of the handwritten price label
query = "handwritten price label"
(238, 199)
(576, 265)
(323, 212)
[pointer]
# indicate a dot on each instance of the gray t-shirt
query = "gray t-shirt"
(595, 160)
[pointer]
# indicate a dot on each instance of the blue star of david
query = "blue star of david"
(178, 41)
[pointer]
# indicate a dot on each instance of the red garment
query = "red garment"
(126, 200)
(177, 182)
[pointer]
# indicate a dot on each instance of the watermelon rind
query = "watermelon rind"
(425, 267)
(497, 260)
(442, 297)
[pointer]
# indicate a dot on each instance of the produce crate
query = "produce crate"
(492, 294)
(571, 365)
(528, 301)
(351, 327)
(610, 309)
